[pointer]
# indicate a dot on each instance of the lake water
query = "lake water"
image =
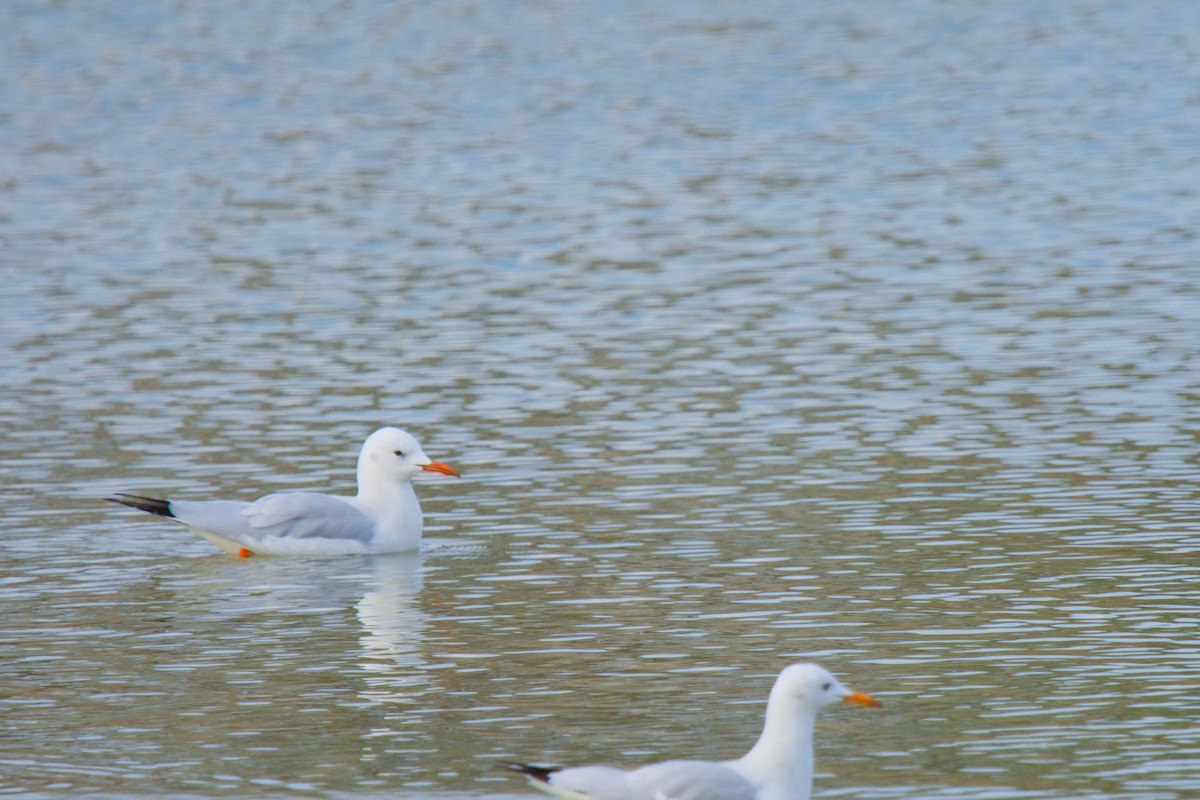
(863, 332)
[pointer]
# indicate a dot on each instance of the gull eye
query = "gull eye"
(825, 686)
(400, 453)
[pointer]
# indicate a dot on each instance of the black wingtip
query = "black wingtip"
(529, 770)
(153, 505)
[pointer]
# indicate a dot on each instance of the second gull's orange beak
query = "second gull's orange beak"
(862, 699)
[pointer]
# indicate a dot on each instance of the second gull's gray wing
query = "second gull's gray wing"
(668, 780)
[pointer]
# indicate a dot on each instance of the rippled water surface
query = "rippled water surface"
(861, 332)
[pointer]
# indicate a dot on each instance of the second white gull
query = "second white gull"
(778, 767)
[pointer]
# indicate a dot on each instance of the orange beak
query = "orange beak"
(437, 466)
(862, 699)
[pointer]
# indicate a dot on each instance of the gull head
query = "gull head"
(396, 455)
(812, 688)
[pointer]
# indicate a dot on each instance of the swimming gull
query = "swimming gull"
(778, 767)
(384, 517)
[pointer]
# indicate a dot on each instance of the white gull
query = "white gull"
(384, 517)
(778, 767)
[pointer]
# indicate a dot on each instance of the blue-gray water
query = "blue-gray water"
(863, 332)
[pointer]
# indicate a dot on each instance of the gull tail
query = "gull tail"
(161, 508)
(540, 778)
(539, 774)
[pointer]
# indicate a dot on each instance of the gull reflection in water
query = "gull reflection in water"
(393, 628)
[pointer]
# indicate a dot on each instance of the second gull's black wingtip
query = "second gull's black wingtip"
(529, 770)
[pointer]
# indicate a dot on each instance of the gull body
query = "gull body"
(778, 767)
(384, 517)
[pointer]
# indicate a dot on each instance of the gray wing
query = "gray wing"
(669, 780)
(585, 783)
(692, 780)
(291, 515)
